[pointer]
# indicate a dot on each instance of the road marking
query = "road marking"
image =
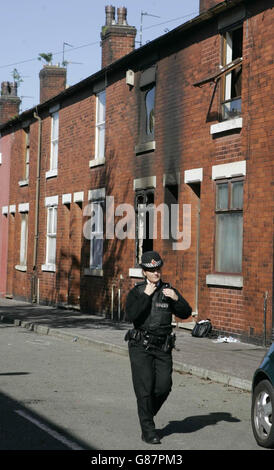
(50, 431)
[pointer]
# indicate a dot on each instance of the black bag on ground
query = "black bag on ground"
(202, 328)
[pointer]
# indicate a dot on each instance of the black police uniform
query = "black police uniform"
(150, 345)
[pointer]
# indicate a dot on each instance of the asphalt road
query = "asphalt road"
(60, 395)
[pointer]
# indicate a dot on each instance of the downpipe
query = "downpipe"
(272, 336)
(265, 309)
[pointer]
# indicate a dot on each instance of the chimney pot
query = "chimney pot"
(8, 89)
(110, 15)
(122, 16)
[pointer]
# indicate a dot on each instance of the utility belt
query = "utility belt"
(164, 343)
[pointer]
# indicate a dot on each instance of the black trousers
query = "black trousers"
(152, 381)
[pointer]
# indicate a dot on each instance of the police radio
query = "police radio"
(163, 297)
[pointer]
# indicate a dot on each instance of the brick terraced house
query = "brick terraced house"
(97, 168)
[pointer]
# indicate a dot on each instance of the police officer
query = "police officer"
(150, 305)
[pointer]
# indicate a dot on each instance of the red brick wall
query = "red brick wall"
(183, 141)
(5, 150)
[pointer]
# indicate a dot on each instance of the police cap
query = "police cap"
(151, 259)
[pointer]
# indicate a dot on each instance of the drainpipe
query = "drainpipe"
(197, 258)
(272, 336)
(37, 195)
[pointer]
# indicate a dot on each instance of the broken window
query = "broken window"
(229, 226)
(149, 101)
(147, 105)
(171, 199)
(144, 211)
(232, 79)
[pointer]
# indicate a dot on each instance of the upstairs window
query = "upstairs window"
(232, 80)
(54, 141)
(100, 125)
(26, 155)
(229, 226)
(149, 108)
(147, 92)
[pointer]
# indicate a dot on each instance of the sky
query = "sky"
(71, 30)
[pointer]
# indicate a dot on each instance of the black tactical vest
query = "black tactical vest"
(159, 320)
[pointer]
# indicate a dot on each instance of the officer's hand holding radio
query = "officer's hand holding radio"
(170, 293)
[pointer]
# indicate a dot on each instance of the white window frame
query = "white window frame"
(23, 210)
(227, 84)
(100, 125)
(24, 239)
(52, 206)
(54, 142)
(27, 152)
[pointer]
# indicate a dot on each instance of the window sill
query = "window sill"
(18, 267)
(93, 272)
(136, 272)
(145, 147)
(52, 173)
(225, 126)
(226, 280)
(49, 267)
(23, 182)
(96, 162)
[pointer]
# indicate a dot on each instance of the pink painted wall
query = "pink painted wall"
(5, 148)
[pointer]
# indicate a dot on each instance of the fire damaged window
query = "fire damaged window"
(144, 222)
(171, 199)
(232, 79)
(147, 106)
(229, 226)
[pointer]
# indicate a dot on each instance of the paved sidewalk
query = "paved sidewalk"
(228, 363)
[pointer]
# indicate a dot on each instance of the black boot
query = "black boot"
(151, 438)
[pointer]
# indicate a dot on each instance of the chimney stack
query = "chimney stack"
(207, 4)
(118, 38)
(9, 101)
(52, 81)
